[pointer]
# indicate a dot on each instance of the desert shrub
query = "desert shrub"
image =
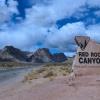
(49, 74)
(49, 71)
(41, 70)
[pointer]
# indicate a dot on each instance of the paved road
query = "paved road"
(16, 74)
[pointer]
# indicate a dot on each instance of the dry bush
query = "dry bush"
(49, 71)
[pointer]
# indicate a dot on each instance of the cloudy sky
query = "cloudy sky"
(32, 24)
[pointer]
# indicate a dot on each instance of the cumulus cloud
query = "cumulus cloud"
(7, 11)
(64, 38)
(39, 29)
(65, 8)
(94, 32)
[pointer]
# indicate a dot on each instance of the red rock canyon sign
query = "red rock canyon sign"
(88, 52)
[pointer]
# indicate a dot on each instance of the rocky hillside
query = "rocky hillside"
(9, 53)
(43, 55)
(59, 57)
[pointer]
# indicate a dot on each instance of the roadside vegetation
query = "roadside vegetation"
(50, 71)
(5, 65)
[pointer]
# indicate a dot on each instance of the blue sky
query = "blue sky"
(32, 24)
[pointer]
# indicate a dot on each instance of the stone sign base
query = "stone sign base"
(87, 59)
(87, 71)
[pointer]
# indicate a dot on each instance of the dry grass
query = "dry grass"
(13, 64)
(49, 71)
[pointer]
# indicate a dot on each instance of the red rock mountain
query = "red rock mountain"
(43, 55)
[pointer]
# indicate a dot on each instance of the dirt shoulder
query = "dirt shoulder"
(83, 87)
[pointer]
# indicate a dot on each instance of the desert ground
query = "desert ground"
(85, 86)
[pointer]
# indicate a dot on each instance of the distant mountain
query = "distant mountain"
(43, 55)
(59, 57)
(11, 53)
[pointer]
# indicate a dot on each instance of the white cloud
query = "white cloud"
(40, 16)
(65, 8)
(65, 36)
(39, 25)
(6, 12)
(94, 32)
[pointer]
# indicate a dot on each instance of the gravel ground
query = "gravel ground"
(86, 86)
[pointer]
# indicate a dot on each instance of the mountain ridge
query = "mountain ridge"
(41, 55)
